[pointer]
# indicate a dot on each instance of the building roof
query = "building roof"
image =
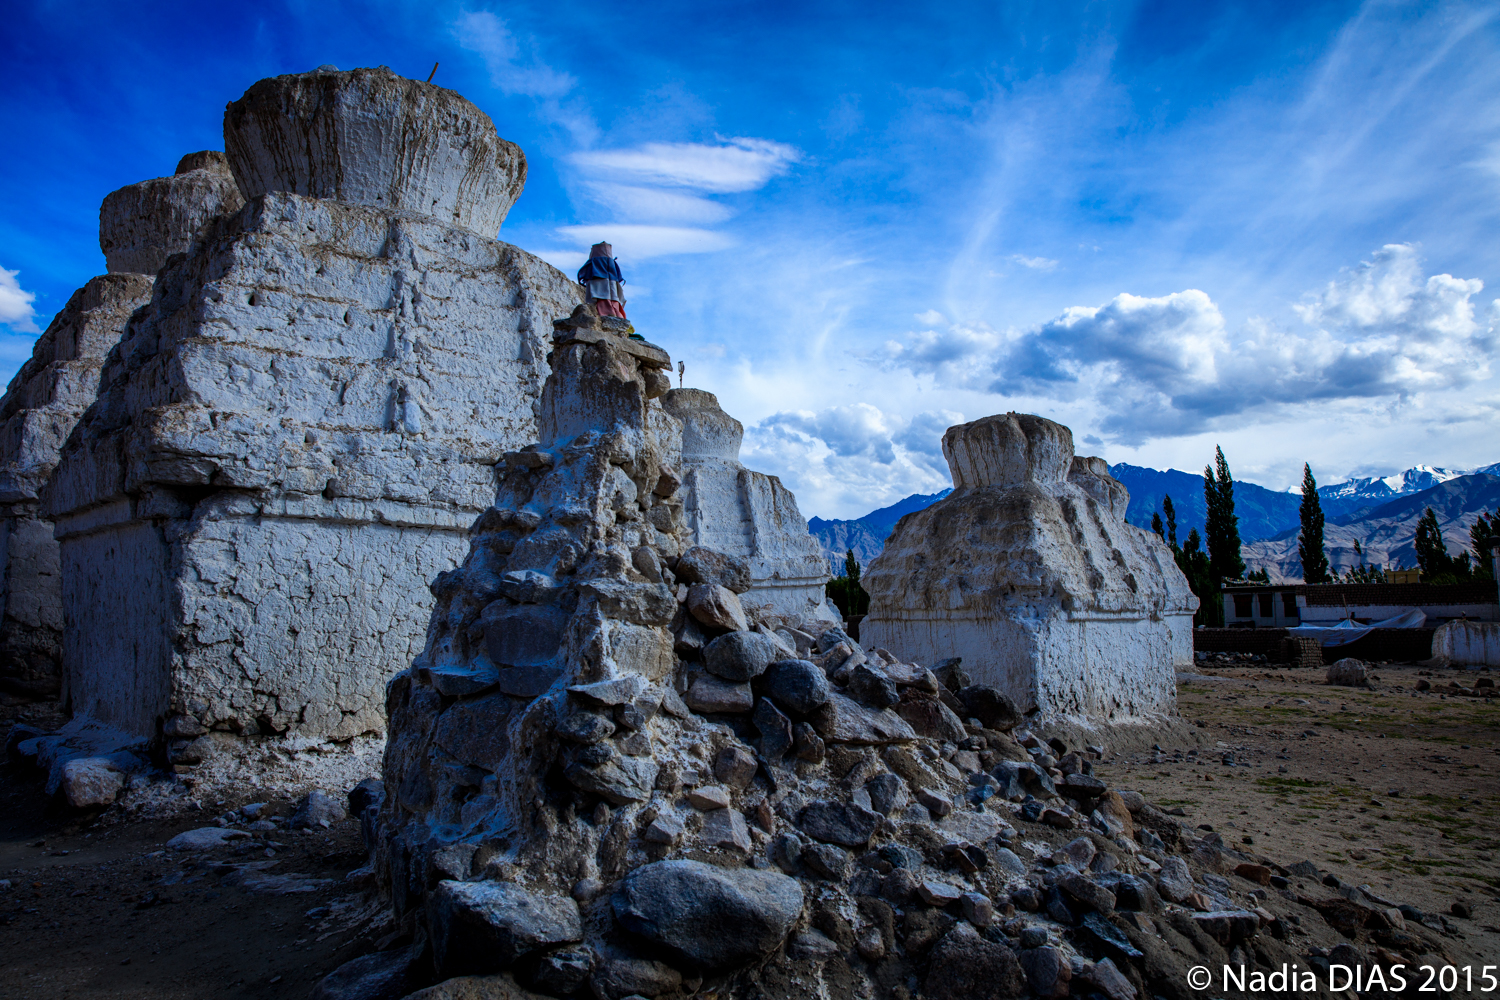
(1412, 595)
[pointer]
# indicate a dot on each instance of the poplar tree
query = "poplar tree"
(1310, 541)
(1171, 512)
(1432, 551)
(1221, 525)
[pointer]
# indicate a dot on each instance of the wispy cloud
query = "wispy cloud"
(1035, 263)
(730, 166)
(16, 309)
(516, 68)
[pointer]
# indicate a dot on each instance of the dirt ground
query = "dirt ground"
(1392, 788)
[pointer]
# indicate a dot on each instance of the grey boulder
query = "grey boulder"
(708, 918)
(739, 656)
(798, 686)
(480, 927)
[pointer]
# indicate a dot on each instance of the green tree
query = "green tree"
(1485, 537)
(1221, 525)
(1193, 562)
(1156, 526)
(1310, 541)
(1171, 512)
(1432, 553)
(845, 591)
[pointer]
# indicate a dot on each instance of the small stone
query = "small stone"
(939, 894)
(90, 782)
(565, 972)
(938, 805)
(872, 687)
(1057, 818)
(204, 839)
(977, 909)
(666, 828)
(965, 966)
(392, 973)
(318, 809)
(887, 793)
(812, 945)
(1109, 980)
(1087, 892)
(619, 780)
(1078, 852)
(930, 717)
(739, 656)
(1461, 909)
(838, 823)
(735, 766)
(1349, 672)
(707, 917)
(990, 706)
(726, 828)
(775, 729)
(716, 606)
(870, 944)
(807, 744)
(615, 691)
(1048, 973)
(480, 927)
(797, 685)
(844, 720)
(1174, 881)
(702, 565)
(1228, 927)
(952, 675)
(1259, 874)
(585, 728)
(621, 978)
(709, 797)
(710, 695)
(827, 861)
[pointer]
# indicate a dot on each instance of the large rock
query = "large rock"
(1029, 572)
(965, 966)
(140, 226)
(384, 975)
(739, 656)
(370, 137)
(745, 514)
(295, 436)
(480, 927)
(708, 918)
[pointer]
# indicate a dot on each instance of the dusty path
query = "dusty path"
(1392, 788)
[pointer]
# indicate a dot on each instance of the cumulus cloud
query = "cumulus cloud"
(16, 310)
(1169, 365)
(855, 457)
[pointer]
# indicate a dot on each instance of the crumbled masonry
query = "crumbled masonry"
(1029, 572)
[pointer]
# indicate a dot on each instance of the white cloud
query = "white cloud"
(630, 202)
(1168, 366)
(930, 318)
(15, 304)
(513, 63)
(852, 458)
(641, 242)
(734, 165)
(1035, 263)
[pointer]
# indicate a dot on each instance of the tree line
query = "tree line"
(1208, 563)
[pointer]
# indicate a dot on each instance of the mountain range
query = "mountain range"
(1380, 512)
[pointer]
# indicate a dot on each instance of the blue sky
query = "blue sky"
(1168, 225)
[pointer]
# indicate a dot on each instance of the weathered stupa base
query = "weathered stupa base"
(1029, 572)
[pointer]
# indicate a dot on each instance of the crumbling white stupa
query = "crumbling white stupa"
(140, 226)
(292, 440)
(745, 513)
(1029, 572)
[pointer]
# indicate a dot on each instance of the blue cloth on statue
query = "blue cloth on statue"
(600, 267)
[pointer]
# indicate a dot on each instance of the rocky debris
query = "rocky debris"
(330, 381)
(965, 966)
(480, 927)
(1033, 533)
(1349, 672)
(708, 918)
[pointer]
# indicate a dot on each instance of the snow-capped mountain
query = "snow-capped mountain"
(1350, 497)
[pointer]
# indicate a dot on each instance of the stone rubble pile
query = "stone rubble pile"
(607, 777)
(291, 439)
(1030, 573)
(140, 226)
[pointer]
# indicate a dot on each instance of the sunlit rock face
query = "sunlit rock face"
(745, 513)
(140, 226)
(1029, 572)
(292, 439)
